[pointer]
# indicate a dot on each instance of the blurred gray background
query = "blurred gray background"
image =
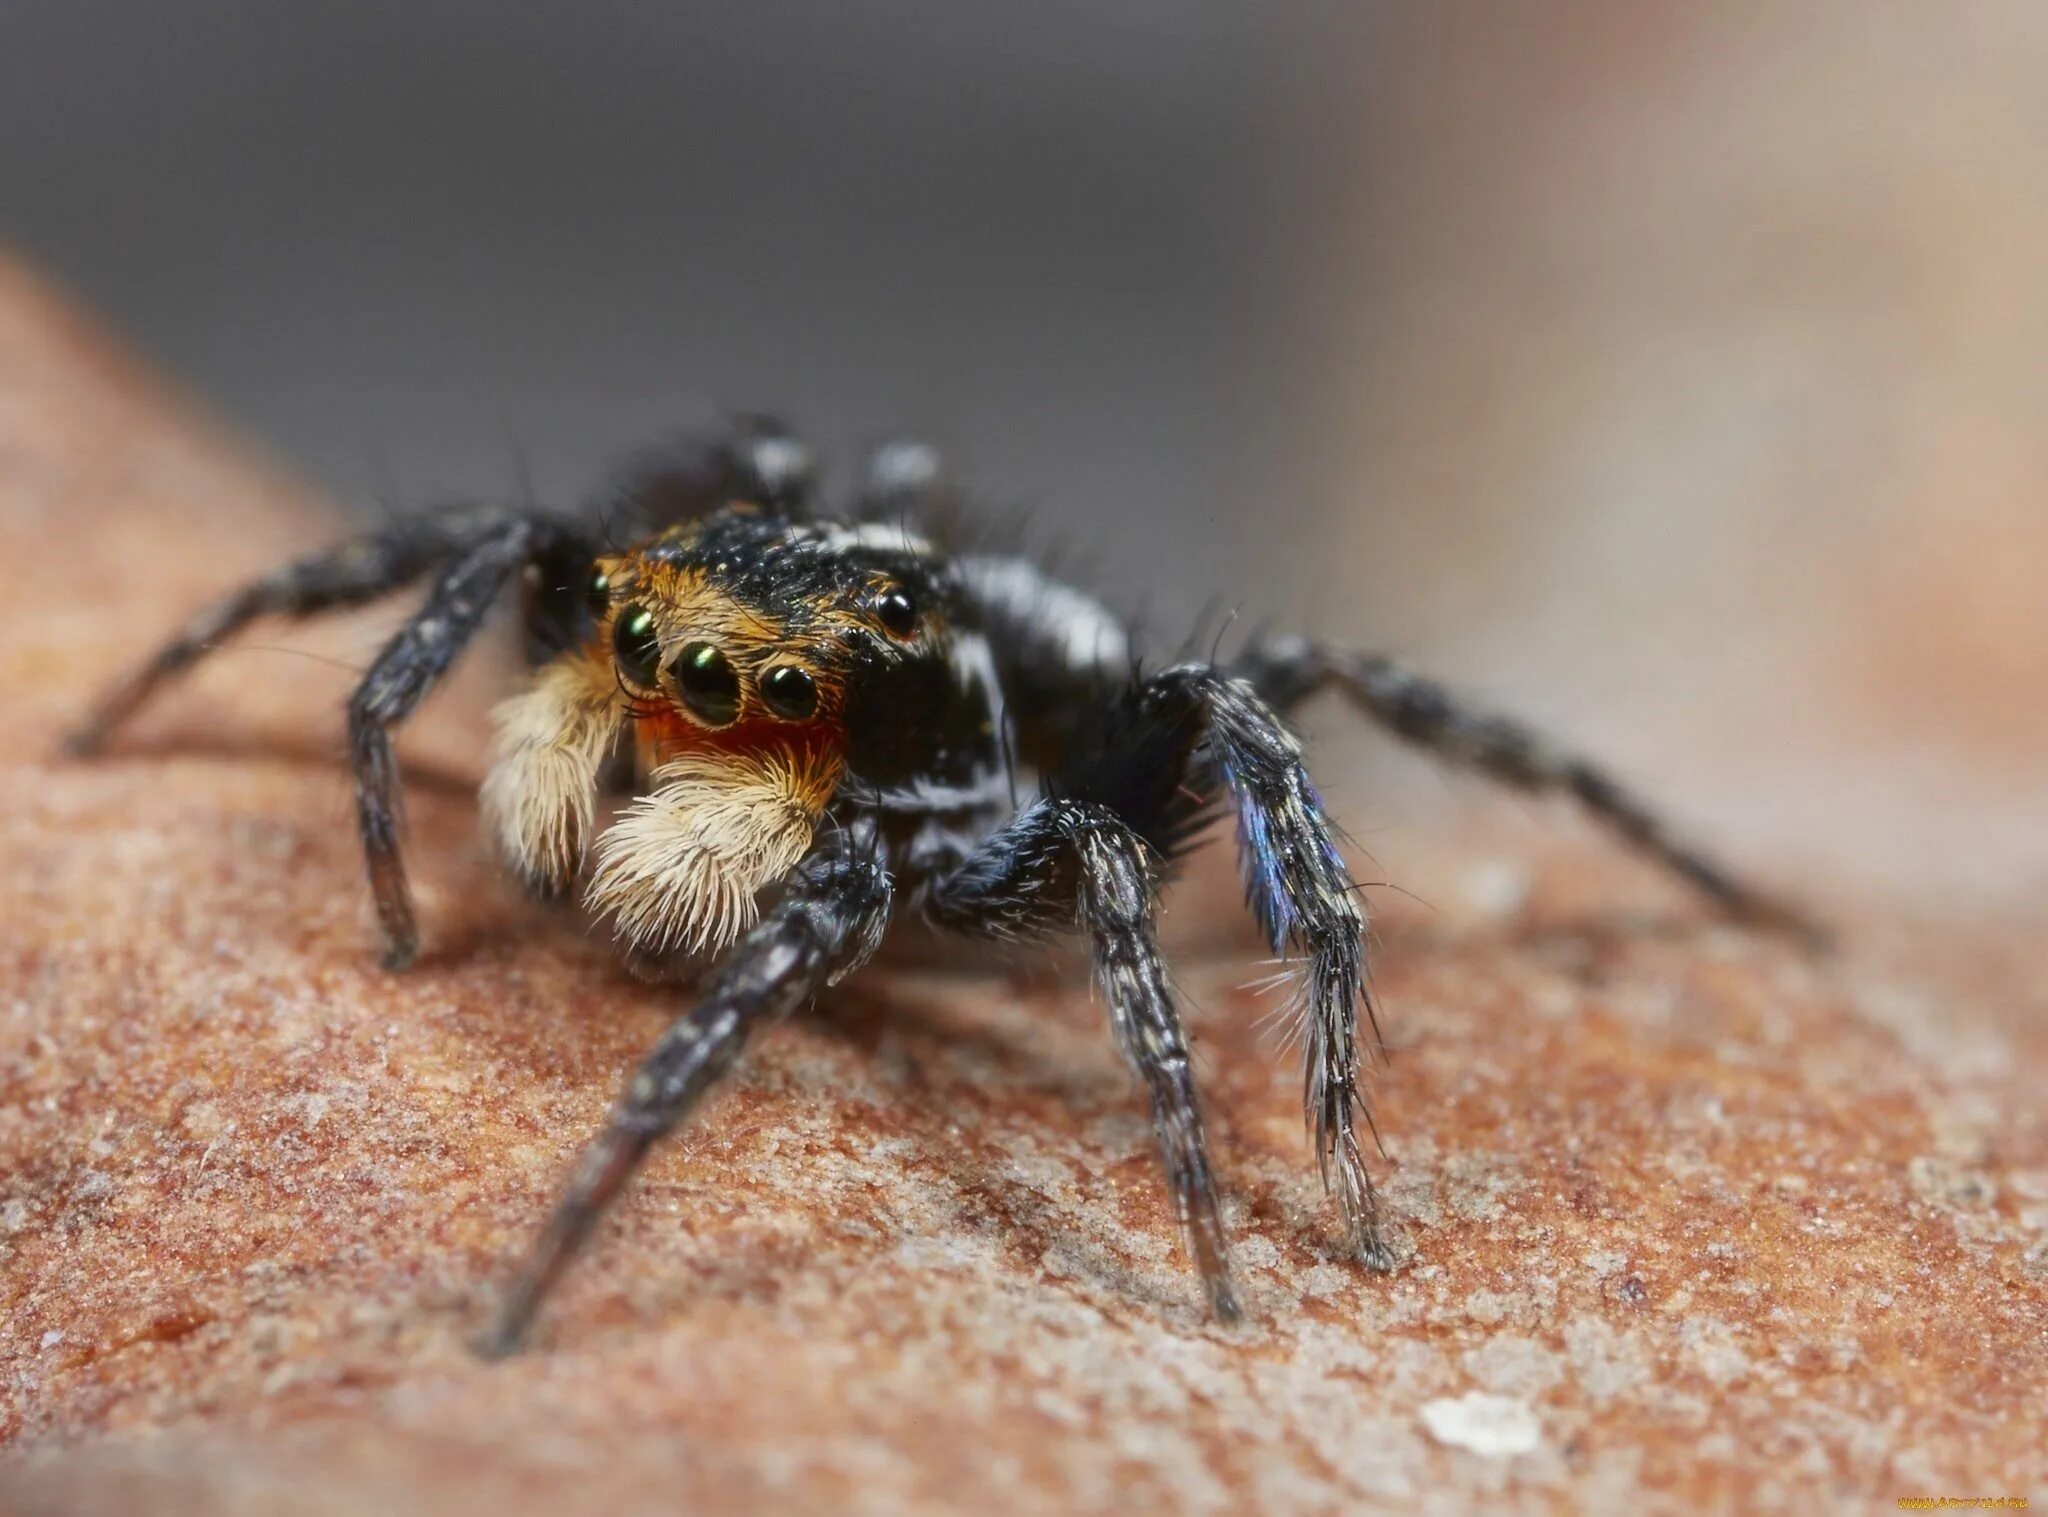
(412, 245)
(1676, 373)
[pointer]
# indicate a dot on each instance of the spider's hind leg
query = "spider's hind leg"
(1423, 713)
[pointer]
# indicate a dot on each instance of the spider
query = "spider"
(816, 724)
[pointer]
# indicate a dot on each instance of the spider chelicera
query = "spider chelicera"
(821, 723)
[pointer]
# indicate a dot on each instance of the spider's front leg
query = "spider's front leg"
(349, 574)
(1153, 753)
(1062, 861)
(1306, 901)
(474, 549)
(828, 922)
(405, 670)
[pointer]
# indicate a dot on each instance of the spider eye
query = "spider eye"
(598, 593)
(789, 692)
(896, 610)
(710, 689)
(635, 647)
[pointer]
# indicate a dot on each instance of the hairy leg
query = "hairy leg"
(905, 480)
(1420, 711)
(1306, 901)
(757, 458)
(828, 923)
(1153, 750)
(780, 470)
(1062, 861)
(1059, 648)
(407, 668)
(350, 574)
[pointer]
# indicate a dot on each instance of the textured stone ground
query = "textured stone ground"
(1691, 1219)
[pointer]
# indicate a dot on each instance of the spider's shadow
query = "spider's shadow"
(860, 1014)
(976, 1188)
(983, 1191)
(297, 750)
(1592, 948)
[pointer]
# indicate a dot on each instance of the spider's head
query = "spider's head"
(747, 634)
(761, 660)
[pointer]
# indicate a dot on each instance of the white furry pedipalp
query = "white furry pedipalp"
(681, 866)
(541, 793)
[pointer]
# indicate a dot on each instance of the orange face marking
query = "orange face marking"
(712, 675)
(666, 735)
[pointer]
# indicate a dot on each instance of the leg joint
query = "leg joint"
(1116, 869)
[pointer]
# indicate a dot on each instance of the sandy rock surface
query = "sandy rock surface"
(1690, 1217)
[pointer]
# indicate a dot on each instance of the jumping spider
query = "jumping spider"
(821, 723)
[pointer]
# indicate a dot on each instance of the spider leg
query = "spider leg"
(1062, 860)
(826, 925)
(904, 480)
(757, 458)
(1306, 902)
(350, 574)
(1423, 713)
(779, 465)
(417, 655)
(1153, 753)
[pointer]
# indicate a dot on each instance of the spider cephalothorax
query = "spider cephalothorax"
(743, 664)
(818, 724)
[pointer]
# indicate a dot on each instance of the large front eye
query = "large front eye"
(635, 647)
(789, 692)
(709, 687)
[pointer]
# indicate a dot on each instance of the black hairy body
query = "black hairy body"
(819, 724)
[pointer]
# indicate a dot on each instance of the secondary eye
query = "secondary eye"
(896, 610)
(709, 687)
(599, 593)
(789, 692)
(635, 647)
